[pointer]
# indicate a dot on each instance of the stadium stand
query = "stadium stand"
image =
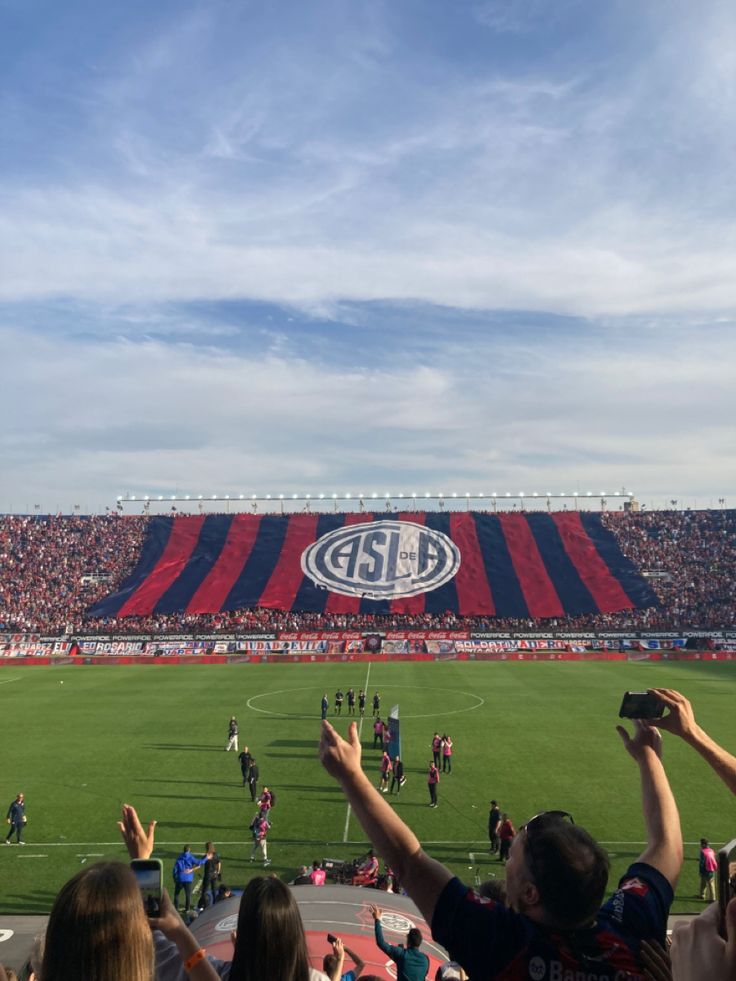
(55, 568)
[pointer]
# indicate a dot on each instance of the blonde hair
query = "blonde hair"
(98, 929)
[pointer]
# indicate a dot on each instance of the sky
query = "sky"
(428, 245)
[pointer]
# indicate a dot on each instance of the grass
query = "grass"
(532, 735)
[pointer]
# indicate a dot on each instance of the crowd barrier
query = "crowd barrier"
(341, 658)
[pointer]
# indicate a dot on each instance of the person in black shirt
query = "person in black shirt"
(361, 703)
(210, 876)
(351, 702)
(245, 759)
(339, 697)
(397, 777)
(253, 775)
(16, 818)
(494, 819)
(377, 703)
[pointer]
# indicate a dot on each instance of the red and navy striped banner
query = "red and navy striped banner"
(471, 564)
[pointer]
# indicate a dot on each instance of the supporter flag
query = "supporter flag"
(472, 564)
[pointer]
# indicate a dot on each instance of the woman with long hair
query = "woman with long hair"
(98, 928)
(270, 941)
(98, 931)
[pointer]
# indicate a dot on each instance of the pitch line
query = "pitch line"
(360, 733)
(249, 841)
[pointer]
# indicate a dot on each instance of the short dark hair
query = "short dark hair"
(329, 963)
(570, 872)
(414, 937)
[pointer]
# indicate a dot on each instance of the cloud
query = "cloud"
(510, 412)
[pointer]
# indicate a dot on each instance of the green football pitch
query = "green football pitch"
(80, 741)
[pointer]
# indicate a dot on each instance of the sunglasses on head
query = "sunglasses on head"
(538, 821)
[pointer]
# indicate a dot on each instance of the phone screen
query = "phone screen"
(148, 874)
(641, 705)
(726, 876)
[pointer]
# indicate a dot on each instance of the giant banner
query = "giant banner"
(472, 564)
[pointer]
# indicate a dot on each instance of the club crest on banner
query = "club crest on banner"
(381, 560)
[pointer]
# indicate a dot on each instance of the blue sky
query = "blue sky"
(304, 247)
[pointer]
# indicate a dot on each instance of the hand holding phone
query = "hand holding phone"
(641, 705)
(149, 874)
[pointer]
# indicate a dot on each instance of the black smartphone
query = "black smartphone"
(149, 873)
(726, 878)
(641, 705)
(331, 938)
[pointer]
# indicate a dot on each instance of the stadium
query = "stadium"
(296, 683)
(522, 615)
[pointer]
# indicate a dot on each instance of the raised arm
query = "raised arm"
(421, 876)
(138, 842)
(357, 960)
(661, 818)
(680, 721)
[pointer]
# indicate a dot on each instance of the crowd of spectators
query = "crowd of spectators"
(54, 568)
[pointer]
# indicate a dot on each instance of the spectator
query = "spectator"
(556, 877)
(270, 941)
(411, 963)
(98, 930)
(699, 952)
(334, 963)
(303, 878)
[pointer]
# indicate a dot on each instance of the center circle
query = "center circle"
(478, 702)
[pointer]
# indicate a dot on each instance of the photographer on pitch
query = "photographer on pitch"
(556, 878)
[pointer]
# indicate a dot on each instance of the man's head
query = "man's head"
(414, 938)
(209, 847)
(704, 843)
(20, 798)
(186, 848)
(556, 872)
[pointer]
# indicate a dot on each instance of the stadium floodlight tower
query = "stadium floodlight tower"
(428, 499)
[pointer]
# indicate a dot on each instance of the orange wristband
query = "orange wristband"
(197, 956)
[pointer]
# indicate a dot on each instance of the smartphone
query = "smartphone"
(149, 873)
(726, 877)
(331, 938)
(641, 705)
